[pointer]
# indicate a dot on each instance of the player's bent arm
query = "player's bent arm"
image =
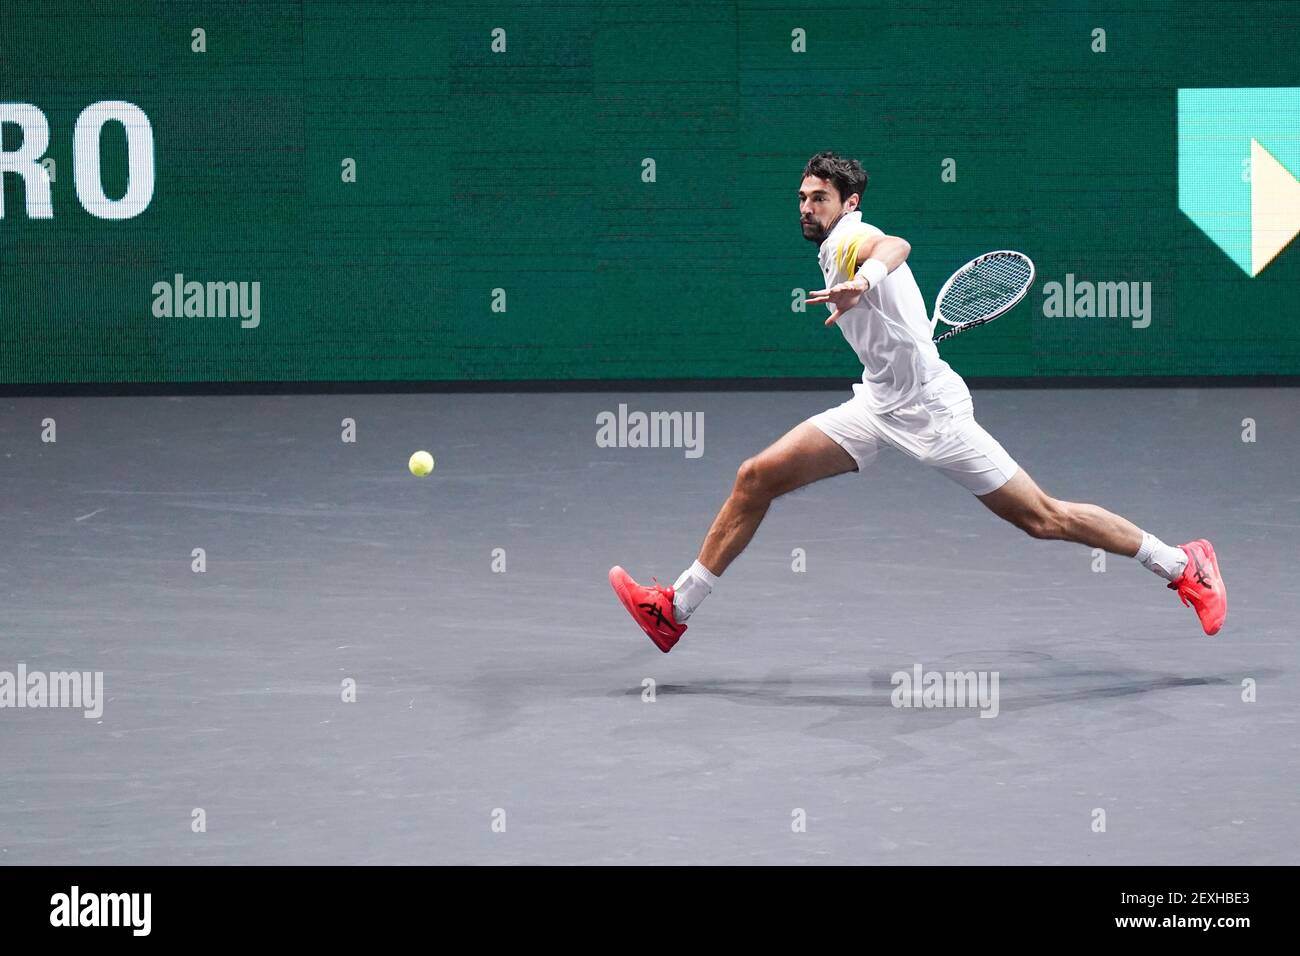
(879, 256)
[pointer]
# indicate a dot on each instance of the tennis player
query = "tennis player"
(909, 399)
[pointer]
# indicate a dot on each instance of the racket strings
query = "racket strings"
(986, 287)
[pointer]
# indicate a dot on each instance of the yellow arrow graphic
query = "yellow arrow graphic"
(1274, 207)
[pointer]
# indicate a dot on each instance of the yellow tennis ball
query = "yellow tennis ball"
(421, 464)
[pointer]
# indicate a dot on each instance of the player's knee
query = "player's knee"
(1046, 520)
(754, 480)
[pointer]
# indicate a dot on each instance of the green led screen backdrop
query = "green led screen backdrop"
(379, 191)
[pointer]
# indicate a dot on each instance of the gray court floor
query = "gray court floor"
(487, 699)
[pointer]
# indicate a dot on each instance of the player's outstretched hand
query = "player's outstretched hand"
(843, 296)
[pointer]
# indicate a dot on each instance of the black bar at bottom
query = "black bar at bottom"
(935, 907)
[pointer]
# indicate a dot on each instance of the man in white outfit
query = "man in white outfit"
(910, 399)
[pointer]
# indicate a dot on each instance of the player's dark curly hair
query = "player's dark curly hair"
(847, 174)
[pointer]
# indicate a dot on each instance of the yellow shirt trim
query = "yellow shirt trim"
(846, 259)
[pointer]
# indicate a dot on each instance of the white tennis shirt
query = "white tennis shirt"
(889, 328)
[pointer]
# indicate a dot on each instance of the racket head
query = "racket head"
(984, 288)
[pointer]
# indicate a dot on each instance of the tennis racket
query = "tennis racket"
(983, 289)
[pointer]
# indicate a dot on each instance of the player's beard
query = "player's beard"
(818, 235)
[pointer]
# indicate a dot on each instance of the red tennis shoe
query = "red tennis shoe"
(651, 607)
(1201, 587)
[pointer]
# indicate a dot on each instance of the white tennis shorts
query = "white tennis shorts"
(938, 430)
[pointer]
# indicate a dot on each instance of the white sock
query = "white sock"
(1164, 560)
(694, 585)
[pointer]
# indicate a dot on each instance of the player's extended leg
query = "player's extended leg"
(1021, 502)
(800, 457)
(1192, 570)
